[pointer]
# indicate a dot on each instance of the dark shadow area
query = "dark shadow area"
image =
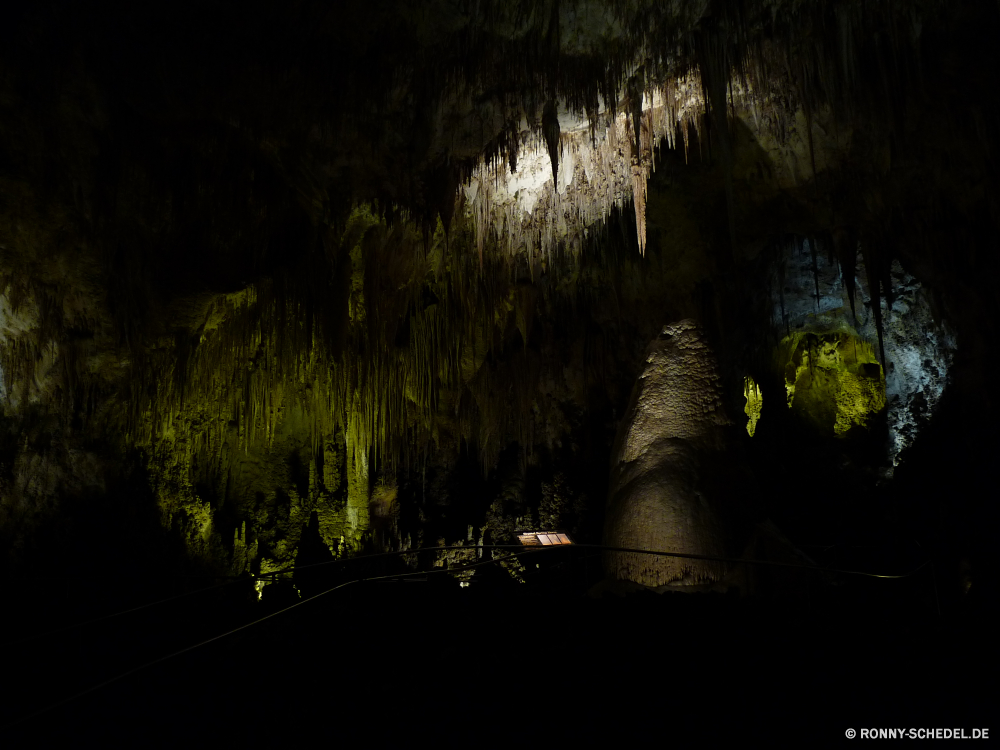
(850, 658)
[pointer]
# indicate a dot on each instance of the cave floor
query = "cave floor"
(383, 662)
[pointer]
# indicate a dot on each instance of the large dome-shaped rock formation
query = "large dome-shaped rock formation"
(667, 488)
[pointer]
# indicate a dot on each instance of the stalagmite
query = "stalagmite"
(660, 496)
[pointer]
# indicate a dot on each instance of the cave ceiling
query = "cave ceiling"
(316, 272)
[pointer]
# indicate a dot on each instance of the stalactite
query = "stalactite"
(815, 267)
(715, 70)
(871, 268)
(846, 245)
(781, 294)
(639, 197)
(550, 131)
(634, 95)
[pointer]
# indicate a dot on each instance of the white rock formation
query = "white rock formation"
(657, 499)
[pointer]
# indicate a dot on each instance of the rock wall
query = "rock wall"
(812, 297)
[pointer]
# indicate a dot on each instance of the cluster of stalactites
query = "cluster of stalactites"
(415, 338)
(561, 183)
(745, 57)
(843, 245)
(247, 376)
(534, 196)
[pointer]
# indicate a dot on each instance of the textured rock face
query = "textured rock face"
(833, 381)
(813, 303)
(660, 496)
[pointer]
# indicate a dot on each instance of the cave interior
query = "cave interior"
(346, 300)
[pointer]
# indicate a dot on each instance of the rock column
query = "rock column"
(663, 494)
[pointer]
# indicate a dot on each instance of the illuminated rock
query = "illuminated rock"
(602, 161)
(833, 381)
(755, 401)
(829, 355)
(658, 496)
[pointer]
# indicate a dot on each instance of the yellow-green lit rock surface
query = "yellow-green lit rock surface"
(833, 381)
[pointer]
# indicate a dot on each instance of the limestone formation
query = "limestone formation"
(658, 498)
